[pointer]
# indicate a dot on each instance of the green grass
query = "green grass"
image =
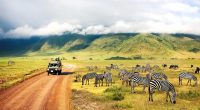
(24, 67)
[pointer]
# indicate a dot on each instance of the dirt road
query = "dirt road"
(41, 92)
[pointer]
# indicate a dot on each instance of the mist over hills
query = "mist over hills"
(128, 44)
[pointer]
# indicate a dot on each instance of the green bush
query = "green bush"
(113, 89)
(118, 96)
(115, 93)
(118, 58)
(195, 50)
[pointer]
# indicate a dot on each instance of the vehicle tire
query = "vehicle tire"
(48, 73)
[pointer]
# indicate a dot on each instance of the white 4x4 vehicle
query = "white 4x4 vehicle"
(54, 67)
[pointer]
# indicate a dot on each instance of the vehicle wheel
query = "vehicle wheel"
(48, 73)
(60, 71)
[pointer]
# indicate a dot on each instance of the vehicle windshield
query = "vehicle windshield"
(53, 65)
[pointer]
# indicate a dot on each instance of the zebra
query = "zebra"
(78, 77)
(140, 81)
(99, 78)
(159, 76)
(173, 67)
(148, 67)
(188, 76)
(114, 66)
(162, 85)
(11, 63)
(156, 67)
(164, 65)
(108, 78)
(92, 68)
(108, 68)
(87, 77)
(125, 79)
(122, 72)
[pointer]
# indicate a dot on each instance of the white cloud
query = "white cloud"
(51, 17)
(53, 28)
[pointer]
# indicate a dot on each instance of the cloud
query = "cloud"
(50, 17)
(53, 28)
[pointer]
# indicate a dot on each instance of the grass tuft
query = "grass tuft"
(189, 95)
(121, 105)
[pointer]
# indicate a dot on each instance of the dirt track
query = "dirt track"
(41, 92)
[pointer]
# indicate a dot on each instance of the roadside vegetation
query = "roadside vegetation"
(23, 68)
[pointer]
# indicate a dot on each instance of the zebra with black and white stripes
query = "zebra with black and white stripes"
(87, 77)
(162, 85)
(122, 73)
(99, 79)
(189, 76)
(126, 80)
(159, 76)
(139, 80)
(108, 78)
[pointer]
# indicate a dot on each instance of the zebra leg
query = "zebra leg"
(169, 97)
(181, 82)
(126, 84)
(133, 88)
(151, 96)
(102, 83)
(188, 82)
(167, 94)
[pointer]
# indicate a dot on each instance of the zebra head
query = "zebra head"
(173, 98)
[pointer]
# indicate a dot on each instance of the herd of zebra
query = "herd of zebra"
(152, 80)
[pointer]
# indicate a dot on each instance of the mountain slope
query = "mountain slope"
(129, 44)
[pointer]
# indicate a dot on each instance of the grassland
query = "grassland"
(102, 97)
(188, 97)
(24, 67)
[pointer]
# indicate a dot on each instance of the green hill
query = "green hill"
(128, 44)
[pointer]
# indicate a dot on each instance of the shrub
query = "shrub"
(113, 89)
(115, 93)
(195, 50)
(118, 58)
(118, 96)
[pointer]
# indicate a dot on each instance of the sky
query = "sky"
(26, 18)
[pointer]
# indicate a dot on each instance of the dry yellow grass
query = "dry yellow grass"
(139, 100)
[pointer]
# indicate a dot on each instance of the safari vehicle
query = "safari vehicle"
(55, 66)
